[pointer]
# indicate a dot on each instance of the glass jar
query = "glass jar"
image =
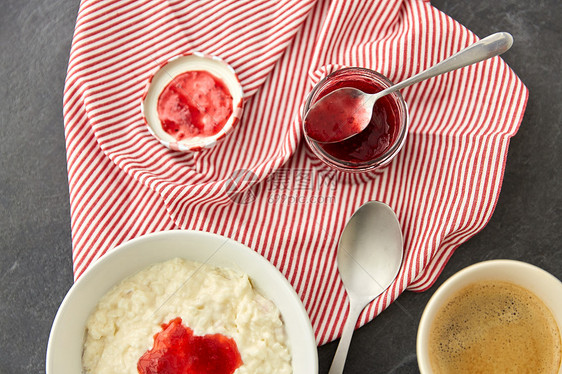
(383, 138)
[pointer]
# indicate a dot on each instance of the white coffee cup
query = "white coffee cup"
(543, 284)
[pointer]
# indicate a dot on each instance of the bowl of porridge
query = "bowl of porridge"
(180, 301)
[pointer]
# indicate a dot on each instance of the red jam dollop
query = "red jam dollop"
(194, 103)
(379, 135)
(176, 350)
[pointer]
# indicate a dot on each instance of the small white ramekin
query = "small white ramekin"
(165, 74)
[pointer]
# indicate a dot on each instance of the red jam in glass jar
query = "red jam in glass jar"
(380, 140)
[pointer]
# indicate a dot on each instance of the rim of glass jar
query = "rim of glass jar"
(386, 157)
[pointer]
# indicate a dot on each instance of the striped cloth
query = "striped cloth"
(443, 185)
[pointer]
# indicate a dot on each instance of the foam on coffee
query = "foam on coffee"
(494, 327)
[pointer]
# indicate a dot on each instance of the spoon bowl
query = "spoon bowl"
(369, 258)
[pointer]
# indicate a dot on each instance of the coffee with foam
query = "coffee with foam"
(494, 327)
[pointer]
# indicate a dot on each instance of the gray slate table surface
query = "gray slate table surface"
(35, 241)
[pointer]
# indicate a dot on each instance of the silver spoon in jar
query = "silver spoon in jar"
(347, 111)
(369, 258)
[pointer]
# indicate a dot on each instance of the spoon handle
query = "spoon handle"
(491, 46)
(338, 362)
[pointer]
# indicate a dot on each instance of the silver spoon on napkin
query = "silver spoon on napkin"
(369, 258)
(347, 111)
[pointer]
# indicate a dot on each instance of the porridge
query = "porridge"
(202, 302)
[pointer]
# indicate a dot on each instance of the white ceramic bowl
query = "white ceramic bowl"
(64, 350)
(165, 74)
(543, 284)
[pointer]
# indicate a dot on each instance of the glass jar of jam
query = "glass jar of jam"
(380, 141)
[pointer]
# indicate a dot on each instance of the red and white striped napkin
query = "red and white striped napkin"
(443, 185)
